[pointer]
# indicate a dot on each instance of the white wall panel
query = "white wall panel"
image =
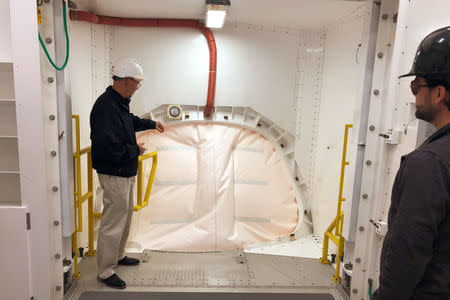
(175, 62)
(255, 67)
(308, 96)
(339, 106)
(80, 68)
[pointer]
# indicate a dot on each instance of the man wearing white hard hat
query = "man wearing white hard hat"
(115, 155)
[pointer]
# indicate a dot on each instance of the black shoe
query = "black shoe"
(128, 261)
(113, 281)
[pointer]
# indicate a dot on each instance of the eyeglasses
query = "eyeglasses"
(416, 87)
(139, 82)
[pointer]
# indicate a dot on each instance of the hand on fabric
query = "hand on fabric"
(159, 127)
(142, 149)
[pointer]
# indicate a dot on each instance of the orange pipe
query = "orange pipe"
(116, 21)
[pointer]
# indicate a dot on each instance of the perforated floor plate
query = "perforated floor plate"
(175, 275)
(274, 270)
(192, 269)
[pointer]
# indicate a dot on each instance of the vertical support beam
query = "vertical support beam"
(373, 185)
(64, 125)
(368, 48)
(36, 187)
(49, 84)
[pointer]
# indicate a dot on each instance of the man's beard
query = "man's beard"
(426, 112)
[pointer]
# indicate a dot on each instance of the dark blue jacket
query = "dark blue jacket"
(415, 259)
(113, 135)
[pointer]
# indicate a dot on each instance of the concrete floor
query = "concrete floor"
(222, 275)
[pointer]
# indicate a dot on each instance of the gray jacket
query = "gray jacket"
(415, 259)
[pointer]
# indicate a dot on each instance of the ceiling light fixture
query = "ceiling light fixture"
(216, 10)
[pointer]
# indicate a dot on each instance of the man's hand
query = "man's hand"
(142, 149)
(159, 127)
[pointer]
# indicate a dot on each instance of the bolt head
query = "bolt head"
(355, 291)
(385, 16)
(55, 188)
(53, 153)
(56, 223)
(361, 228)
(48, 40)
(380, 55)
(58, 288)
(51, 117)
(57, 255)
(365, 196)
(368, 162)
(376, 92)
(358, 260)
(50, 79)
(372, 128)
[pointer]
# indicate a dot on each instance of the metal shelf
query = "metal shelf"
(10, 187)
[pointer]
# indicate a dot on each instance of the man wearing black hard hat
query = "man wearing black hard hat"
(415, 259)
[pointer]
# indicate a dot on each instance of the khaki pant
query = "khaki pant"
(115, 221)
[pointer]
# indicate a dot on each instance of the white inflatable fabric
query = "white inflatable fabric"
(217, 187)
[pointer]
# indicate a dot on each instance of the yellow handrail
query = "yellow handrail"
(90, 196)
(77, 185)
(141, 204)
(77, 195)
(338, 222)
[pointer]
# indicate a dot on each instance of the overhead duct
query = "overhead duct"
(174, 23)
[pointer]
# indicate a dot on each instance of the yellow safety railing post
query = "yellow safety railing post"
(337, 277)
(91, 251)
(76, 274)
(77, 196)
(78, 172)
(141, 203)
(139, 187)
(338, 222)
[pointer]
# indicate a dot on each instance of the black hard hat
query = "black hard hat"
(433, 56)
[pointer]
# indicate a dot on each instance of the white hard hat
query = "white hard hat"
(128, 67)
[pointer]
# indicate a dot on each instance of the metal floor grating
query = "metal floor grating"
(200, 269)
(220, 272)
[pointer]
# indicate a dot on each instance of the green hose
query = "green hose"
(370, 293)
(67, 44)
